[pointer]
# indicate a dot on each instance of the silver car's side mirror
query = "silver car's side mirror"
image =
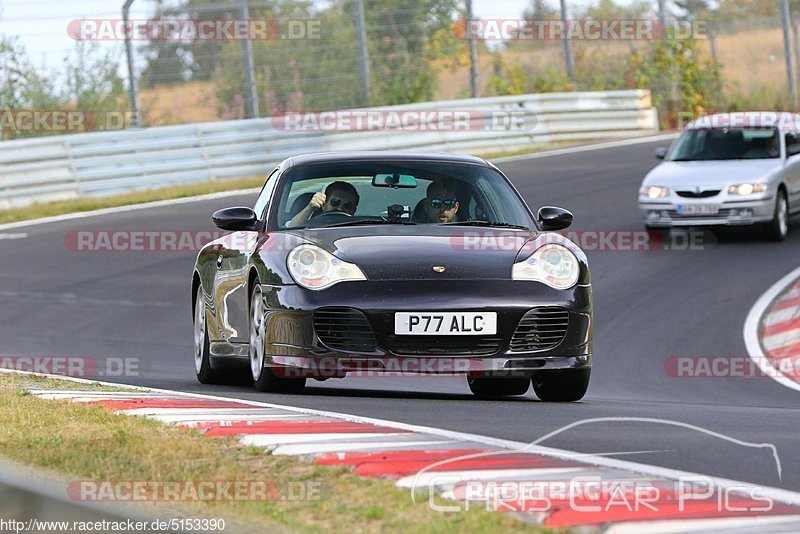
(661, 152)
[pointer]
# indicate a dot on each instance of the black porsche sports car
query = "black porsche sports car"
(371, 262)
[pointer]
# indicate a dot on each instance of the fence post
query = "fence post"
(251, 99)
(363, 54)
(473, 53)
(787, 50)
(567, 44)
(126, 7)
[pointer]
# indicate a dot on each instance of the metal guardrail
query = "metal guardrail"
(106, 163)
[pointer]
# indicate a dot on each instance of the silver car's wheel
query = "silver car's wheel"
(257, 333)
(778, 228)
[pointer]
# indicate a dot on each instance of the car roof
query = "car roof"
(352, 156)
(785, 120)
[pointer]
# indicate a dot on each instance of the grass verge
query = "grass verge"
(50, 209)
(90, 443)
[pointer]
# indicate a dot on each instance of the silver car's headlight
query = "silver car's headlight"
(316, 268)
(746, 189)
(552, 264)
(653, 191)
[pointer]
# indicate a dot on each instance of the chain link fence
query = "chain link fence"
(204, 60)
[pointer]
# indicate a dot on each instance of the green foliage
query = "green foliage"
(89, 82)
(507, 79)
(678, 76)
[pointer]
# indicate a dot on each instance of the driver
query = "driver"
(338, 196)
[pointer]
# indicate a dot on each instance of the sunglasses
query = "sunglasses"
(448, 203)
(336, 202)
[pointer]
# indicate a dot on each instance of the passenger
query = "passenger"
(441, 204)
(338, 196)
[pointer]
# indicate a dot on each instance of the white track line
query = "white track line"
(586, 148)
(778, 494)
(124, 209)
(224, 194)
(750, 332)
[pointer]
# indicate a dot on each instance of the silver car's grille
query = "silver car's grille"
(723, 214)
(698, 194)
(540, 328)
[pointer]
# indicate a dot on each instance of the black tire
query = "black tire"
(264, 377)
(202, 352)
(496, 387)
(778, 227)
(561, 385)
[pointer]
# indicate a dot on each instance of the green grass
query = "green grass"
(91, 443)
(49, 209)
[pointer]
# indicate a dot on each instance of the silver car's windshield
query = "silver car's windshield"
(726, 144)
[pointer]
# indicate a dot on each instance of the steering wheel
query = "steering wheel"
(331, 215)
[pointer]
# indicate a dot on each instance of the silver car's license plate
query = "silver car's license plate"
(445, 323)
(689, 210)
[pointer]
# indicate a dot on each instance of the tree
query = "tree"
(540, 10)
(608, 9)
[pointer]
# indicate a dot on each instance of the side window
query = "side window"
(792, 138)
(266, 194)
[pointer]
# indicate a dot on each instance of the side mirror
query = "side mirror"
(661, 152)
(552, 218)
(238, 218)
(793, 149)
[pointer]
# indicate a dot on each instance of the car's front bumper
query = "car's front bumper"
(732, 212)
(293, 341)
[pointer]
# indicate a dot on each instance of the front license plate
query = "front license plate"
(445, 323)
(689, 210)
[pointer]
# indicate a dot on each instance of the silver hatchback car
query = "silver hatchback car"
(727, 169)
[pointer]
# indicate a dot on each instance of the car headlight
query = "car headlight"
(552, 264)
(746, 189)
(653, 191)
(316, 268)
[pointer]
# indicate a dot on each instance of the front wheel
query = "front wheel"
(265, 378)
(778, 227)
(561, 385)
(496, 387)
(202, 362)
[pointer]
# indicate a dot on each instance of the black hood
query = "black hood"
(411, 252)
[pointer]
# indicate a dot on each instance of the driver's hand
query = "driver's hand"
(317, 201)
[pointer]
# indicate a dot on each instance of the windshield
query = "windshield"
(704, 145)
(353, 193)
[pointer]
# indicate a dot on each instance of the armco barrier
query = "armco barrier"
(104, 163)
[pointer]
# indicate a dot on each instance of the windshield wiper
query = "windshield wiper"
(487, 224)
(376, 220)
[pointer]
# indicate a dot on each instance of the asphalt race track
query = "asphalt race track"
(650, 306)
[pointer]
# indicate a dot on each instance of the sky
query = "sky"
(41, 24)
